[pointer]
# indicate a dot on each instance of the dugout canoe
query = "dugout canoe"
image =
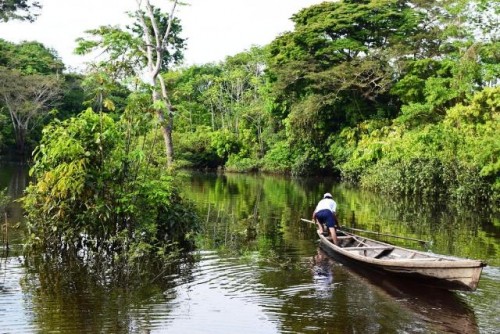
(427, 268)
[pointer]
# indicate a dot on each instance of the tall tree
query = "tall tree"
(23, 71)
(156, 42)
(145, 50)
(19, 10)
(336, 68)
(32, 57)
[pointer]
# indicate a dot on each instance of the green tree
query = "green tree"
(336, 69)
(28, 99)
(455, 157)
(228, 98)
(30, 58)
(144, 51)
(33, 60)
(192, 94)
(19, 10)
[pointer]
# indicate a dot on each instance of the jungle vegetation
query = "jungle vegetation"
(100, 190)
(396, 96)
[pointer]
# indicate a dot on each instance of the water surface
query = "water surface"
(258, 269)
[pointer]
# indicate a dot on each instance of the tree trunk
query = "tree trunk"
(156, 45)
(166, 130)
(20, 139)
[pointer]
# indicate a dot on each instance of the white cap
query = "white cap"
(327, 195)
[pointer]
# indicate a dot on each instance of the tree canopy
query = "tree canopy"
(141, 53)
(352, 85)
(19, 10)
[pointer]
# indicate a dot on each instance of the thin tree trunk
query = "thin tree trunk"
(155, 47)
(166, 130)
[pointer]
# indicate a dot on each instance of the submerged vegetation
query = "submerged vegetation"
(98, 193)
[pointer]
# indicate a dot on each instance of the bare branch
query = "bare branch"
(169, 27)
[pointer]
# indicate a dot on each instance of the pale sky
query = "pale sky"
(214, 28)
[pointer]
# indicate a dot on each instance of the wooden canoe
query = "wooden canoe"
(428, 268)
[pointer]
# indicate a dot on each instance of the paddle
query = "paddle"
(372, 232)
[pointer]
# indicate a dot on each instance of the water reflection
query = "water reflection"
(211, 292)
(258, 207)
(14, 178)
(276, 220)
(65, 295)
(322, 274)
(258, 269)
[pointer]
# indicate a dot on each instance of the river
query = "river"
(258, 269)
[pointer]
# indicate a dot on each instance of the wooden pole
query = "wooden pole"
(372, 232)
(6, 232)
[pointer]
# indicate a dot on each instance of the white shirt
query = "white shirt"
(326, 203)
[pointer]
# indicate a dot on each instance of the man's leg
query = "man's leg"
(333, 233)
(320, 226)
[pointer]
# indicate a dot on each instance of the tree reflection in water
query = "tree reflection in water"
(67, 295)
(255, 253)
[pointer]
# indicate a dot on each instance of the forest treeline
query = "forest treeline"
(399, 97)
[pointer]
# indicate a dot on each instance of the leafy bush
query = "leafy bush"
(225, 143)
(195, 149)
(278, 159)
(96, 191)
(457, 157)
(235, 163)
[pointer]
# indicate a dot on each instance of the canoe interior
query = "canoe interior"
(379, 250)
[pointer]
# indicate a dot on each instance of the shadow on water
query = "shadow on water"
(441, 309)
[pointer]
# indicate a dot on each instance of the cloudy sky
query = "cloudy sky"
(214, 28)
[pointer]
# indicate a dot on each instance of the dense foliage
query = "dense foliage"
(221, 117)
(97, 192)
(369, 91)
(456, 157)
(33, 91)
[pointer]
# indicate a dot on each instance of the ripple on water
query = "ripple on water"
(13, 308)
(485, 301)
(226, 294)
(223, 292)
